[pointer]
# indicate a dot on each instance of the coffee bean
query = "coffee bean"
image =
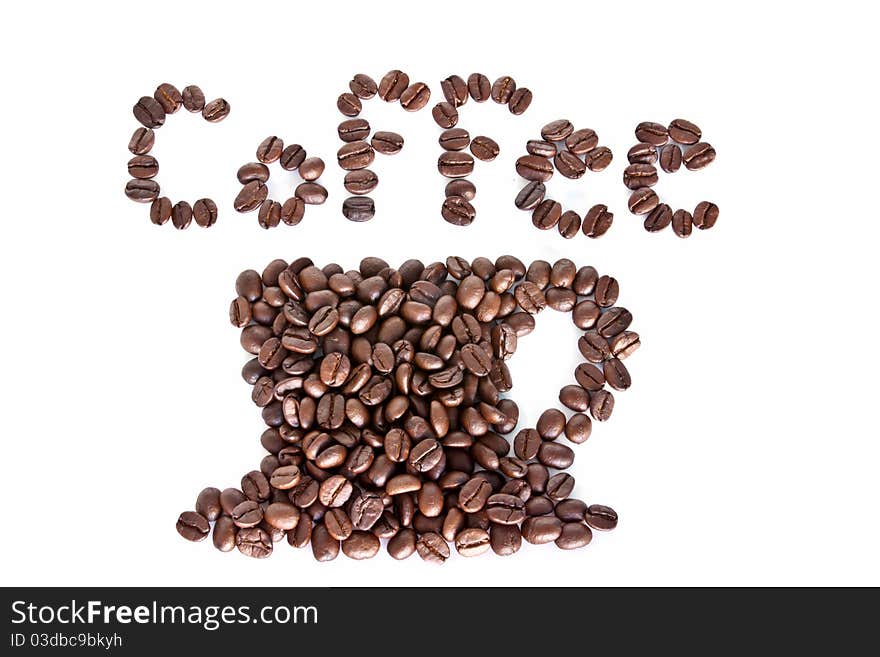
(205, 212)
(504, 539)
(670, 158)
(247, 514)
(353, 130)
(455, 90)
(363, 86)
(581, 141)
(142, 141)
(143, 167)
(577, 430)
(208, 504)
(519, 101)
(534, 167)
(415, 97)
(387, 143)
(181, 215)
(601, 405)
(598, 158)
(617, 375)
(355, 155)
(601, 517)
(563, 273)
(335, 491)
(613, 321)
(502, 89)
(358, 208)
(252, 171)
(479, 87)
(254, 542)
(569, 165)
(349, 104)
(224, 534)
(505, 509)
(311, 193)
(585, 280)
(636, 176)
(526, 444)
(193, 526)
(698, 156)
(557, 130)
(571, 510)
(652, 133)
(541, 529)
(311, 168)
(292, 156)
(530, 297)
(684, 132)
(361, 181)
(541, 148)
(658, 218)
(682, 223)
(445, 115)
(472, 542)
(547, 214)
(292, 211)
(574, 535)
(168, 97)
(705, 215)
(142, 191)
(392, 85)
(484, 148)
(642, 153)
(216, 110)
(530, 196)
(593, 346)
(432, 548)
(454, 139)
(597, 221)
(461, 187)
(270, 149)
(643, 200)
(474, 494)
(454, 164)
(403, 544)
(560, 485)
(251, 196)
(569, 224)
(574, 398)
(606, 291)
(149, 112)
(458, 211)
(269, 214)
(193, 98)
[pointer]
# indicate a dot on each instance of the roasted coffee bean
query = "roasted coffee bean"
(205, 212)
(554, 455)
(454, 164)
(208, 504)
(484, 148)
(541, 148)
(684, 132)
(601, 517)
(581, 141)
(479, 87)
(642, 153)
(606, 292)
(216, 110)
(574, 398)
(530, 297)
(269, 214)
(142, 141)
(636, 176)
(193, 98)
(526, 444)
(624, 344)
(541, 529)
(361, 545)
(445, 115)
(251, 196)
(181, 215)
(362, 181)
(559, 486)
(358, 208)
(231, 498)
(530, 196)
(247, 514)
(593, 346)
(415, 97)
(571, 510)
(169, 97)
(617, 375)
(643, 200)
(601, 405)
(539, 505)
(270, 149)
(505, 509)
(149, 112)
(355, 155)
(142, 191)
(472, 542)
(403, 544)
(578, 428)
(335, 491)
(652, 133)
(502, 89)
(387, 143)
(670, 158)
(557, 130)
(458, 211)
(534, 167)
(311, 193)
(551, 424)
(598, 158)
(455, 90)
(474, 494)
(698, 156)
(658, 218)
(293, 211)
(392, 85)
(547, 214)
(311, 168)
(292, 156)
(454, 139)
(569, 165)
(252, 171)
(574, 535)
(705, 215)
(597, 221)
(366, 510)
(432, 548)
(363, 86)
(349, 104)
(613, 321)
(504, 539)
(224, 534)
(160, 210)
(462, 188)
(353, 130)
(519, 100)
(254, 542)
(682, 223)
(193, 526)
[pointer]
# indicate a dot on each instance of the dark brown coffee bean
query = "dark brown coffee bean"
(254, 542)
(311, 168)
(571, 510)
(142, 141)
(168, 97)
(387, 143)
(557, 130)
(270, 149)
(143, 167)
(698, 156)
(458, 211)
(392, 85)
(593, 346)
(569, 165)
(205, 212)
(208, 504)
(455, 90)
(293, 211)
(574, 535)
(569, 224)
(247, 514)
(613, 321)
(460, 187)
(454, 164)
(193, 98)
(502, 89)
(403, 544)
(625, 344)
(415, 97)
(311, 193)
(601, 517)
(454, 139)
(253, 171)
(484, 148)
(682, 223)
(251, 196)
(216, 110)
(530, 297)
(574, 398)
(578, 430)
(358, 208)
(142, 191)
(585, 280)
(472, 542)
(362, 181)
(363, 86)
(606, 292)
(479, 87)
(526, 444)
(684, 132)
(541, 148)
(642, 153)
(658, 218)
(636, 176)
(534, 167)
(705, 215)
(269, 215)
(589, 377)
(505, 539)
(617, 375)
(652, 133)
(361, 545)
(432, 548)
(601, 405)
(547, 214)
(599, 158)
(581, 141)
(541, 529)
(519, 101)
(355, 155)
(349, 104)
(181, 215)
(530, 196)
(474, 494)
(335, 491)
(291, 157)
(193, 526)
(353, 130)
(149, 112)
(597, 221)
(643, 200)
(224, 534)
(559, 486)
(505, 509)
(445, 115)
(670, 158)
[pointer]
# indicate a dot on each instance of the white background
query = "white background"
(746, 451)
